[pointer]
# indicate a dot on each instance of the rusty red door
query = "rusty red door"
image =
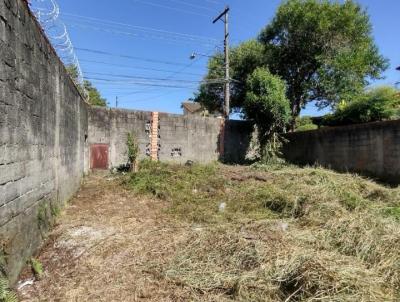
(99, 156)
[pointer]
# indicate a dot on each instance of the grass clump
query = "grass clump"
(6, 294)
(37, 268)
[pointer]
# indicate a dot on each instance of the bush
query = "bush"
(305, 123)
(266, 104)
(378, 104)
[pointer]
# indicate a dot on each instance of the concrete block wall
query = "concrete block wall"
(111, 126)
(43, 123)
(184, 138)
(196, 138)
(371, 149)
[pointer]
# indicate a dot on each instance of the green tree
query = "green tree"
(377, 104)
(323, 50)
(94, 96)
(305, 123)
(244, 59)
(266, 104)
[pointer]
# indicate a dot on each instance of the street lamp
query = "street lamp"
(196, 54)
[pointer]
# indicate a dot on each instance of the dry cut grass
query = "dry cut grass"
(224, 233)
(285, 234)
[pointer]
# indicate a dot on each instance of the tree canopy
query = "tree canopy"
(94, 96)
(323, 50)
(376, 104)
(244, 59)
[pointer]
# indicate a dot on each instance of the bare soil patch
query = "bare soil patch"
(101, 248)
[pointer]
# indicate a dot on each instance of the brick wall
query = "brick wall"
(43, 122)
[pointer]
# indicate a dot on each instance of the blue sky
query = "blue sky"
(166, 32)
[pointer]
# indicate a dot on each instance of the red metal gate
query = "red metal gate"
(99, 156)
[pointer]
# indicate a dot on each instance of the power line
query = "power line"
(172, 8)
(143, 36)
(156, 79)
(192, 5)
(141, 28)
(129, 57)
(138, 67)
(138, 83)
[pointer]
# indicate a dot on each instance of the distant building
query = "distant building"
(195, 108)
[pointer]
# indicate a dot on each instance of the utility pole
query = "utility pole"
(226, 50)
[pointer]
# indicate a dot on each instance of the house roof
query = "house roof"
(192, 107)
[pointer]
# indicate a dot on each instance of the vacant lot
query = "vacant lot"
(223, 233)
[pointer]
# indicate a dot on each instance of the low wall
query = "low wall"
(43, 123)
(371, 149)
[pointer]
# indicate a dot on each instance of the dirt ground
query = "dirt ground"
(222, 233)
(103, 246)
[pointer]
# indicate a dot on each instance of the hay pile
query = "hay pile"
(286, 234)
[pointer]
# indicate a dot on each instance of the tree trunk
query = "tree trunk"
(295, 114)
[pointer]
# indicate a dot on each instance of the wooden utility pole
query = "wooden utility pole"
(226, 50)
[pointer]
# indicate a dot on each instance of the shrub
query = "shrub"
(133, 150)
(267, 105)
(378, 104)
(305, 123)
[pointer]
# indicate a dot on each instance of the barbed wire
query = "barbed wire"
(47, 13)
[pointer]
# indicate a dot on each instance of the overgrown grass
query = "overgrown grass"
(285, 234)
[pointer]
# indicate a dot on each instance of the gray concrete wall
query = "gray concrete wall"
(197, 138)
(43, 122)
(111, 126)
(371, 149)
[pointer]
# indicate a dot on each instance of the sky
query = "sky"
(139, 50)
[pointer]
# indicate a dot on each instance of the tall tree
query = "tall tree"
(324, 51)
(94, 96)
(244, 59)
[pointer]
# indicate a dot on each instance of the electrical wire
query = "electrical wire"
(172, 8)
(129, 57)
(142, 36)
(193, 5)
(155, 79)
(138, 67)
(136, 27)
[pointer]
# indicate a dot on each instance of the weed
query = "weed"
(37, 268)
(55, 209)
(392, 212)
(6, 294)
(42, 216)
